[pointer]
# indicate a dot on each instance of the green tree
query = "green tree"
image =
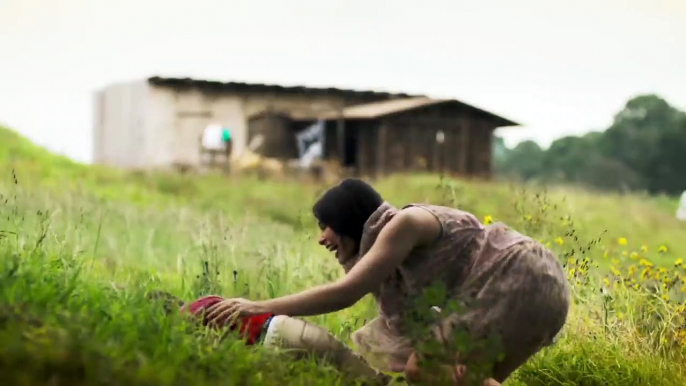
(644, 148)
(567, 158)
(646, 136)
(524, 161)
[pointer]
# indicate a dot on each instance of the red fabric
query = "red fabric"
(250, 327)
(203, 303)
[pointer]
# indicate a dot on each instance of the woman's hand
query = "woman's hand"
(455, 374)
(230, 309)
(451, 374)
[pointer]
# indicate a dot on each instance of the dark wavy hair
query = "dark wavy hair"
(346, 207)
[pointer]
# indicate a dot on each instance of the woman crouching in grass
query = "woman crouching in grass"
(505, 295)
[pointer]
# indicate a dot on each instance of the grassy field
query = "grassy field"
(80, 246)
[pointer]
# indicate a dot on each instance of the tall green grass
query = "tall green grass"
(81, 246)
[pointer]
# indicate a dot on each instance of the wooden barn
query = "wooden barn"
(157, 123)
(384, 137)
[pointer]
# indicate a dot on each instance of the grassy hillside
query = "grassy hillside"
(80, 246)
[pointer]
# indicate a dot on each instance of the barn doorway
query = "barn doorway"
(350, 141)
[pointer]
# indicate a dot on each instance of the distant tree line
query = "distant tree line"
(644, 149)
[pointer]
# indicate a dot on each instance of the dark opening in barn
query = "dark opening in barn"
(402, 135)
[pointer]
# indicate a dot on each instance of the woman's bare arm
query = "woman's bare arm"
(410, 228)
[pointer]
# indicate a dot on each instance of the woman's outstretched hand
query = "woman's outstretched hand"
(230, 309)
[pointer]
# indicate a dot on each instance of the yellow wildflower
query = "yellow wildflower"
(622, 241)
(559, 241)
(615, 261)
(615, 271)
(528, 217)
(606, 254)
(644, 249)
(681, 337)
(662, 249)
(632, 270)
(488, 219)
(678, 262)
(624, 253)
(665, 296)
(634, 255)
(607, 282)
(645, 263)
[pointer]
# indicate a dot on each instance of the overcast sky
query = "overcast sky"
(559, 67)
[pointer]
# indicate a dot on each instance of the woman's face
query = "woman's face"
(335, 242)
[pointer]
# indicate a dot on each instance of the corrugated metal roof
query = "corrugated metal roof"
(380, 109)
(242, 86)
(391, 103)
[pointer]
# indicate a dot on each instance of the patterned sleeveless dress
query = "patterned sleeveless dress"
(509, 290)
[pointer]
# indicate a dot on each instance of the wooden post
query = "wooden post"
(340, 139)
(451, 142)
(411, 151)
(489, 154)
(381, 150)
(444, 153)
(465, 127)
(435, 166)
